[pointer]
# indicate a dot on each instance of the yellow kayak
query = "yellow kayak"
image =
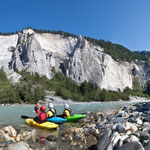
(46, 125)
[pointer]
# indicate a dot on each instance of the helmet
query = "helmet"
(43, 108)
(50, 105)
(66, 106)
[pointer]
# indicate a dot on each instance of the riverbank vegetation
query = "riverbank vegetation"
(23, 92)
(32, 88)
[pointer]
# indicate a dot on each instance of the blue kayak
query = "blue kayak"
(56, 120)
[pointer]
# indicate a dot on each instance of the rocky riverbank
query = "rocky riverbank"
(127, 128)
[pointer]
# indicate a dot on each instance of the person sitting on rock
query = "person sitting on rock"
(67, 111)
(52, 111)
(41, 114)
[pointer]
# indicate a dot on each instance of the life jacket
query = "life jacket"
(51, 113)
(41, 115)
(67, 113)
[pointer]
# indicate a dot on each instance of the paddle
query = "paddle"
(26, 117)
(61, 116)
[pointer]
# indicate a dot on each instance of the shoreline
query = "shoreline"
(133, 99)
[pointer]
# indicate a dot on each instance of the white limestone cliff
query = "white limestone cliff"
(7, 45)
(76, 57)
(97, 67)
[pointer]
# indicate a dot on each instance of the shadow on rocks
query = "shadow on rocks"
(92, 147)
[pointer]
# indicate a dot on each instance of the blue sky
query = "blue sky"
(126, 22)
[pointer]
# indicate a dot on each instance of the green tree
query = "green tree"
(136, 84)
(147, 90)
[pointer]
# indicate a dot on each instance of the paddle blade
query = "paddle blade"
(61, 116)
(25, 117)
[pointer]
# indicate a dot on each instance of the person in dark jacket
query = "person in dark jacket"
(52, 111)
(41, 114)
(67, 111)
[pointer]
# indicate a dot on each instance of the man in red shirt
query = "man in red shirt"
(41, 114)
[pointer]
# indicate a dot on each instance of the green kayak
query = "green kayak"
(75, 117)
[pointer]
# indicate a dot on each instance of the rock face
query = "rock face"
(75, 57)
(88, 63)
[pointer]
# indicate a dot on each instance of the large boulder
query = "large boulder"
(132, 146)
(131, 126)
(52, 138)
(19, 146)
(90, 140)
(147, 147)
(9, 130)
(105, 140)
(6, 143)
